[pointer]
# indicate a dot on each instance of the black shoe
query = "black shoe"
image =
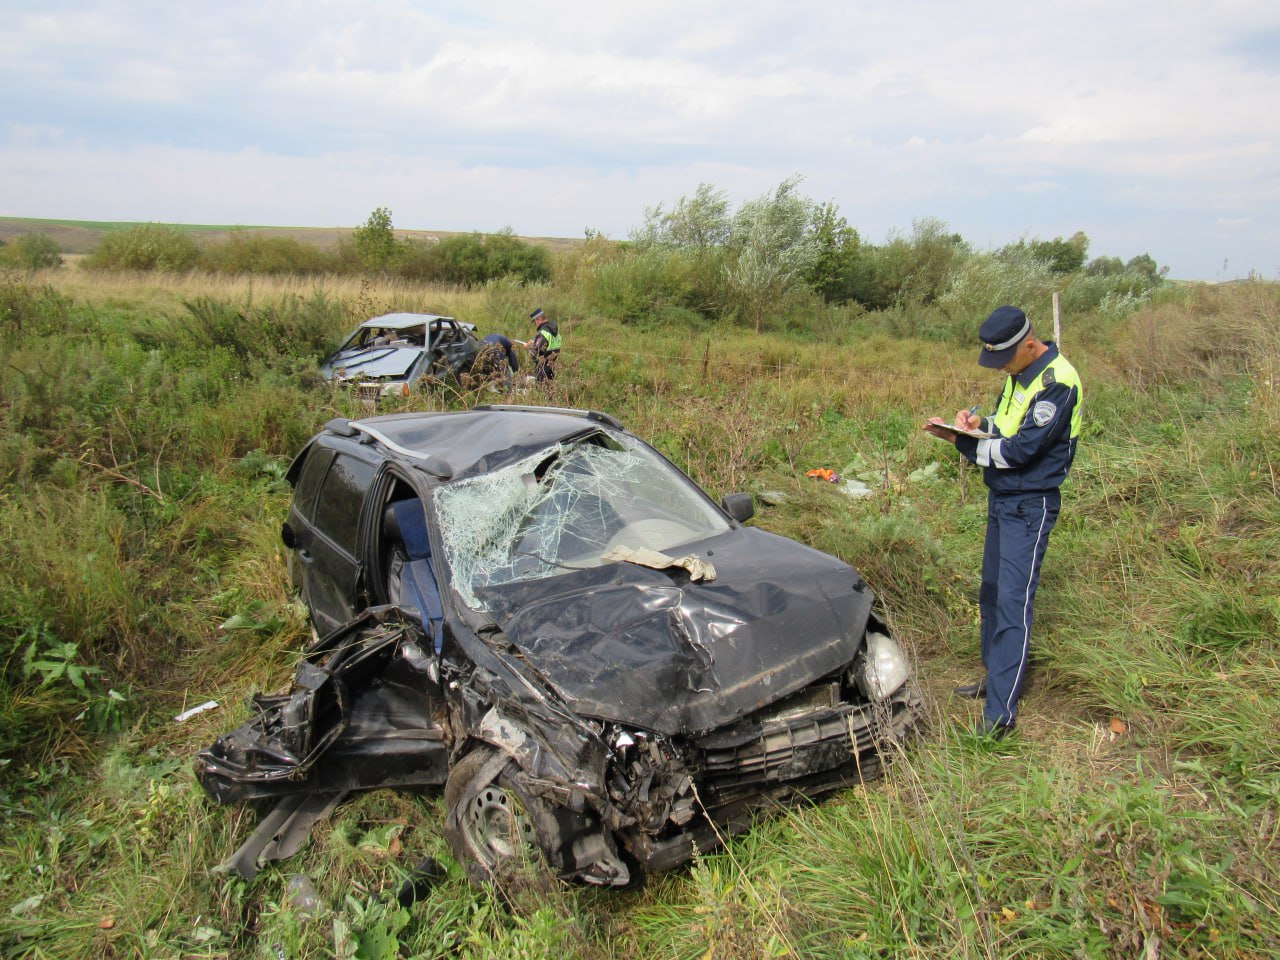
(973, 691)
(995, 731)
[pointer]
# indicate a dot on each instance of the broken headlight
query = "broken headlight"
(882, 667)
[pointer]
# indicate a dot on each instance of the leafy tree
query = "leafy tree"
(700, 222)
(1104, 267)
(376, 243)
(837, 252)
(1145, 265)
(774, 248)
(935, 254)
(1063, 256)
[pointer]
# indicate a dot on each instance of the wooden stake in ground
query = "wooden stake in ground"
(1057, 321)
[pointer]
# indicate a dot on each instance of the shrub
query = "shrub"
(1113, 296)
(838, 246)
(1192, 336)
(909, 272)
(987, 280)
(145, 246)
(472, 260)
(31, 251)
(293, 328)
(643, 282)
(35, 311)
(247, 252)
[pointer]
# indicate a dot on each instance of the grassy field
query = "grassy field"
(1135, 814)
(79, 237)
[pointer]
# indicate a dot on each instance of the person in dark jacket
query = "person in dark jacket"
(1031, 442)
(544, 347)
(497, 360)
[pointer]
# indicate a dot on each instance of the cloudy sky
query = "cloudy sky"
(1152, 127)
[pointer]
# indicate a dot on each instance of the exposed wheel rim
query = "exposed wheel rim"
(495, 827)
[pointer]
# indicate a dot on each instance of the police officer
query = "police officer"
(544, 346)
(1034, 428)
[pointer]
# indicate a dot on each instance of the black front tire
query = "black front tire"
(491, 824)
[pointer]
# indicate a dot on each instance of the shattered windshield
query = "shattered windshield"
(563, 509)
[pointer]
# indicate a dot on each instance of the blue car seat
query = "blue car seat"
(405, 522)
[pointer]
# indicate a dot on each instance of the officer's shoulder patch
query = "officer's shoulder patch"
(1043, 412)
(1048, 379)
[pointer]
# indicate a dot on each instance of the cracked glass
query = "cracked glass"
(563, 509)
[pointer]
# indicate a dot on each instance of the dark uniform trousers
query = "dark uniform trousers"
(1018, 527)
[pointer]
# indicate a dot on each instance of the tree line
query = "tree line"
(774, 259)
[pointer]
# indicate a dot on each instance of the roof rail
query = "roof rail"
(432, 463)
(341, 426)
(605, 418)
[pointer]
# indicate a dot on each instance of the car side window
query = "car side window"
(304, 497)
(338, 507)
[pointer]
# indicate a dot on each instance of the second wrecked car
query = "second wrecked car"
(392, 354)
(534, 609)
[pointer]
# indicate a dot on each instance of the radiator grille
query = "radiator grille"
(754, 756)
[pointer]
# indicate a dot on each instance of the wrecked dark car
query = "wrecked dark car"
(535, 610)
(393, 354)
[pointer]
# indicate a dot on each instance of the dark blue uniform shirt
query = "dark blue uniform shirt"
(1036, 459)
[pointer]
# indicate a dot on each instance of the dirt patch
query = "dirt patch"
(70, 239)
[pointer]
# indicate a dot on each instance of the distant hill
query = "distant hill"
(81, 236)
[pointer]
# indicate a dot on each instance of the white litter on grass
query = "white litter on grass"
(855, 488)
(927, 472)
(186, 715)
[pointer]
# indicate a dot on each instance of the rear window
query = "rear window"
(337, 511)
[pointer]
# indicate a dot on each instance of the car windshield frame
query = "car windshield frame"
(563, 509)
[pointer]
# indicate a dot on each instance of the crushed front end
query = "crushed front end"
(671, 796)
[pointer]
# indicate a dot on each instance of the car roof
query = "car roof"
(465, 443)
(404, 321)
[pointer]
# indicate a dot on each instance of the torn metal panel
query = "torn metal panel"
(282, 833)
(360, 699)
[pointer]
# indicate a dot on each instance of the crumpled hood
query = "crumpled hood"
(374, 363)
(652, 650)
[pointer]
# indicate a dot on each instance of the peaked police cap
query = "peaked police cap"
(1001, 333)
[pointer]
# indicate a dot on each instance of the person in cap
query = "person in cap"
(1033, 434)
(544, 347)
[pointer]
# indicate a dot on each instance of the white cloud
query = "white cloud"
(541, 115)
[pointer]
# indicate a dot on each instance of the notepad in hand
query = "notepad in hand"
(960, 431)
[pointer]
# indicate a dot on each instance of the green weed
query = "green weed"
(150, 422)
